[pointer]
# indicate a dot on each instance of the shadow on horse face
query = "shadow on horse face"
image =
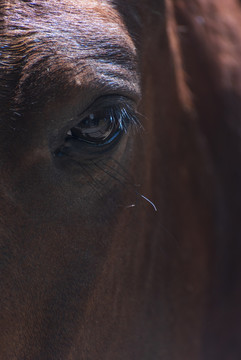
(89, 269)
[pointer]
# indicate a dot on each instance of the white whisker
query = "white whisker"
(150, 202)
(130, 206)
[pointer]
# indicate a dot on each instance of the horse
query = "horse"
(120, 201)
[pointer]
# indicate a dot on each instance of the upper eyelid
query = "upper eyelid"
(124, 115)
(107, 101)
(112, 102)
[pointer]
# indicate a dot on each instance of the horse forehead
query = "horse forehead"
(92, 20)
(85, 43)
(71, 30)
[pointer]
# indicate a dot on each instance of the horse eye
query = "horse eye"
(98, 128)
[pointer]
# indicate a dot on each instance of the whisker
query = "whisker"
(127, 183)
(130, 206)
(148, 200)
(92, 184)
(133, 186)
(111, 175)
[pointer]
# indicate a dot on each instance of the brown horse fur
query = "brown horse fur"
(88, 269)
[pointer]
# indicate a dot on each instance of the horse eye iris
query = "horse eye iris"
(96, 129)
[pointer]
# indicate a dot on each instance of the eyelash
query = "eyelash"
(124, 116)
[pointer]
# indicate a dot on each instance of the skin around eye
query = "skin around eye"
(99, 129)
